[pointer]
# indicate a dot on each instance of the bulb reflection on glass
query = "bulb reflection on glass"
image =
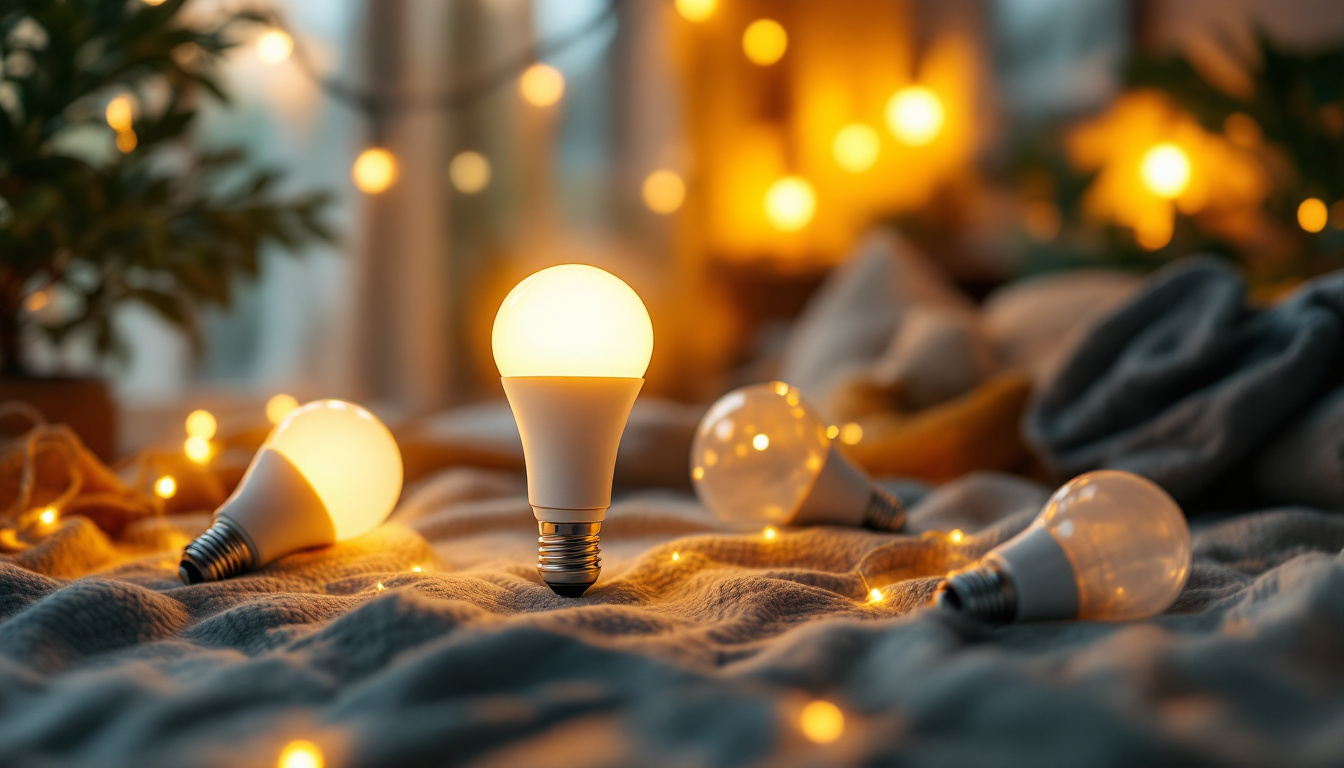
(761, 456)
(1108, 545)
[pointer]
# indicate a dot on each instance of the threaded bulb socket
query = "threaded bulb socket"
(568, 556)
(222, 552)
(983, 591)
(884, 512)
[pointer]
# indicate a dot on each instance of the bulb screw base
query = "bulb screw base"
(983, 591)
(567, 556)
(222, 552)
(884, 512)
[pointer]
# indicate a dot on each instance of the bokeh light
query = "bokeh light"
(120, 113)
(1312, 215)
(279, 406)
(300, 754)
(374, 171)
(541, 85)
(1154, 229)
(851, 434)
(856, 147)
(274, 46)
(696, 10)
(915, 115)
(165, 487)
(765, 42)
(664, 191)
(470, 172)
(201, 424)
(790, 204)
(127, 141)
(198, 449)
(1165, 170)
(770, 533)
(47, 516)
(821, 722)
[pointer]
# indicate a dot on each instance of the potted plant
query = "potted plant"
(105, 200)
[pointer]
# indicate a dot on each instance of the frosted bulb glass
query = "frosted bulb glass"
(761, 456)
(328, 472)
(1108, 545)
(572, 343)
(572, 320)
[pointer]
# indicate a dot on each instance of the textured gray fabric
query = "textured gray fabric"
(705, 660)
(1185, 381)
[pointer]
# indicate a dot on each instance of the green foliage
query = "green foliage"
(165, 224)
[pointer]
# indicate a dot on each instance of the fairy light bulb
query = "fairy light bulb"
(761, 456)
(330, 471)
(571, 343)
(1108, 545)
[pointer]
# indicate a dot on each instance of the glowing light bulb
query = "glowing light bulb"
(571, 343)
(470, 172)
(374, 171)
(696, 10)
(301, 754)
(279, 406)
(1165, 170)
(274, 46)
(664, 191)
(915, 115)
(821, 722)
(330, 471)
(765, 42)
(201, 424)
(790, 203)
(1109, 545)
(541, 85)
(856, 147)
(761, 455)
(1312, 215)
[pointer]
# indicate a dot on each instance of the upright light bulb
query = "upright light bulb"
(572, 343)
(1109, 545)
(330, 471)
(762, 456)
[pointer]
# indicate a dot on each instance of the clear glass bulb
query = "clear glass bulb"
(572, 320)
(761, 456)
(1109, 545)
(328, 472)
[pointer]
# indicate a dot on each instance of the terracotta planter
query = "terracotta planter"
(84, 404)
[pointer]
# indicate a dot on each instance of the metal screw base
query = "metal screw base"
(567, 556)
(884, 513)
(982, 591)
(220, 553)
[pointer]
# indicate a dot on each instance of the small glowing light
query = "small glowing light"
(1165, 170)
(374, 170)
(875, 596)
(120, 113)
(851, 434)
(696, 10)
(955, 536)
(770, 533)
(416, 569)
(915, 115)
(126, 141)
(300, 754)
(48, 516)
(664, 191)
(760, 442)
(832, 431)
(470, 172)
(274, 46)
(856, 147)
(822, 722)
(698, 473)
(153, 2)
(1154, 230)
(198, 449)
(541, 85)
(201, 424)
(379, 587)
(781, 388)
(165, 487)
(676, 556)
(37, 301)
(765, 42)
(279, 406)
(790, 204)
(1312, 214)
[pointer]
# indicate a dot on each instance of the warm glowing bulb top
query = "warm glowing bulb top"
(348, 457)
(573, 320)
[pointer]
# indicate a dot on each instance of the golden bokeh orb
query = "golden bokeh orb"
(664, 191)
(541, 85)
(374, 171)
(765, 42)
(274, 46)
(856, 147)
(821, 722)
(1312, 215)
(469, 172)
(696, 10)
(915, 115)
(790, 204)
(1165, 170)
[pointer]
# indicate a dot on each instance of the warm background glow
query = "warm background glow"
(765, 42)
(572, 320)
(664, 191)
(696, 10)
(470, 172)
(790, 204)
(374, 171)
(915, 115)
(856, 147)
(541, 85)
(201, 424)
(301, 754)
